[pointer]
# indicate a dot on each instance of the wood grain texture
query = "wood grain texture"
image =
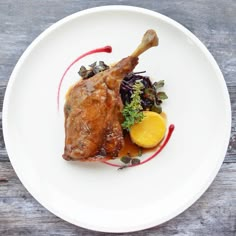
(212, 214)
(212, 21)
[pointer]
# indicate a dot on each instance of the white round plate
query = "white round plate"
(97, 196)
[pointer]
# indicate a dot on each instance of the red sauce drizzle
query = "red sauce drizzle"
(107, 49)
(169, 134)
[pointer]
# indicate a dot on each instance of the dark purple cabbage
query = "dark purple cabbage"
(149, 96)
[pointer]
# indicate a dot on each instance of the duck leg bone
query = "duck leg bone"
(149, 40)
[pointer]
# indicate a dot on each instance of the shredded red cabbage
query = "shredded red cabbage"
(149, 96)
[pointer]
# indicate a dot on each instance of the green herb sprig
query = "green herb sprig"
(132, 111)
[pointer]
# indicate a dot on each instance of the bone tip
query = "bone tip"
(150, 37)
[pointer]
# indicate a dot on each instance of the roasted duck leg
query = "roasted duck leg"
(93, 107)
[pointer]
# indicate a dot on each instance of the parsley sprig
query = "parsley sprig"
(132, 111)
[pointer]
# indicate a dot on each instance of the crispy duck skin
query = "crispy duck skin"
(93, 108)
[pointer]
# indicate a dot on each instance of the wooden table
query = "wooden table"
(213, 22)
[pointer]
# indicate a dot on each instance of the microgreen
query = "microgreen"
(125, 159)
(162, 95)
(132, 111)
(158, 84)
(93, 69)
(135, 161)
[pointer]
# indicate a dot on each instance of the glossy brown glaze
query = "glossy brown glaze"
(93, 107)
(92, 115)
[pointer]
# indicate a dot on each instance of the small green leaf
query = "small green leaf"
(159, 84)
(99, 67)
(82, 71)
(162, 95)
(93, 64)
(149, 93)
(103, 65)
(125, 159)
(135, 161)
(140, 152)
(156, 108)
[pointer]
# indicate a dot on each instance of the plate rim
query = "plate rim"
(132, 9)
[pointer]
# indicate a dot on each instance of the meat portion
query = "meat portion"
(92, 113)
(93, 107)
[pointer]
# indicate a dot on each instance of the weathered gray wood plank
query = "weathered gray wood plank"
(213, 21)
(213, 214)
